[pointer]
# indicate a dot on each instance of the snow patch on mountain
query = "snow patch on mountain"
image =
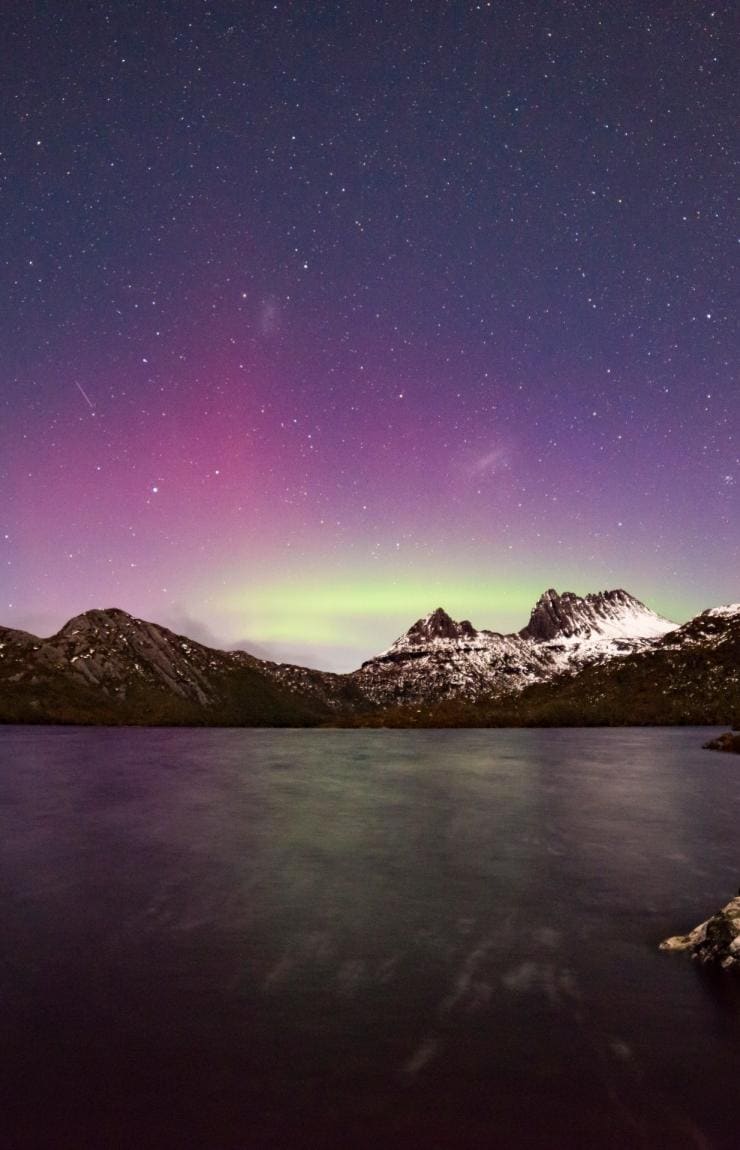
(727, 611)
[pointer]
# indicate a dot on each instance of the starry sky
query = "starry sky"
(317, 316)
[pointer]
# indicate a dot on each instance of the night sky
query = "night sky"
(318, 316)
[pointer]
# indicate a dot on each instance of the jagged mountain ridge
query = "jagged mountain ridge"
(603, 615)
(108, 667)
(689, 675)
(440, 658)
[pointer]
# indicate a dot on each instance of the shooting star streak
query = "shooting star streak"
(85, 396)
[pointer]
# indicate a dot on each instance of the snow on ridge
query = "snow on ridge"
(623, 624)
(599, 623)
(727, 611)
(440, 658)
(478, 641)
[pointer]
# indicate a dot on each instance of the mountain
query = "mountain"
(691, 675)
(108, 667)
(601, 659)
(441, 659)
(607, 615)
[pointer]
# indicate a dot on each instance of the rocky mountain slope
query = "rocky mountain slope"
(107, 667)
(604, 659)
(689, 675)
(441, 659)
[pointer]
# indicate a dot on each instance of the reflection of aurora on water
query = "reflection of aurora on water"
(293, 934)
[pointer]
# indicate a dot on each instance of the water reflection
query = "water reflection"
(237, 938)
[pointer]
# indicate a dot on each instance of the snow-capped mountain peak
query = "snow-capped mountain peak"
(603, 615)
(441, 658)
(437, 625)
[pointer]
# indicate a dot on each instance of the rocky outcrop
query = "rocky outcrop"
(715, 941)
(439, 625)
(730, 741)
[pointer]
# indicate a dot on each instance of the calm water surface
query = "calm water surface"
(234, 939)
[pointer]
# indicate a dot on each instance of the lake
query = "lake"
(244, 938)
